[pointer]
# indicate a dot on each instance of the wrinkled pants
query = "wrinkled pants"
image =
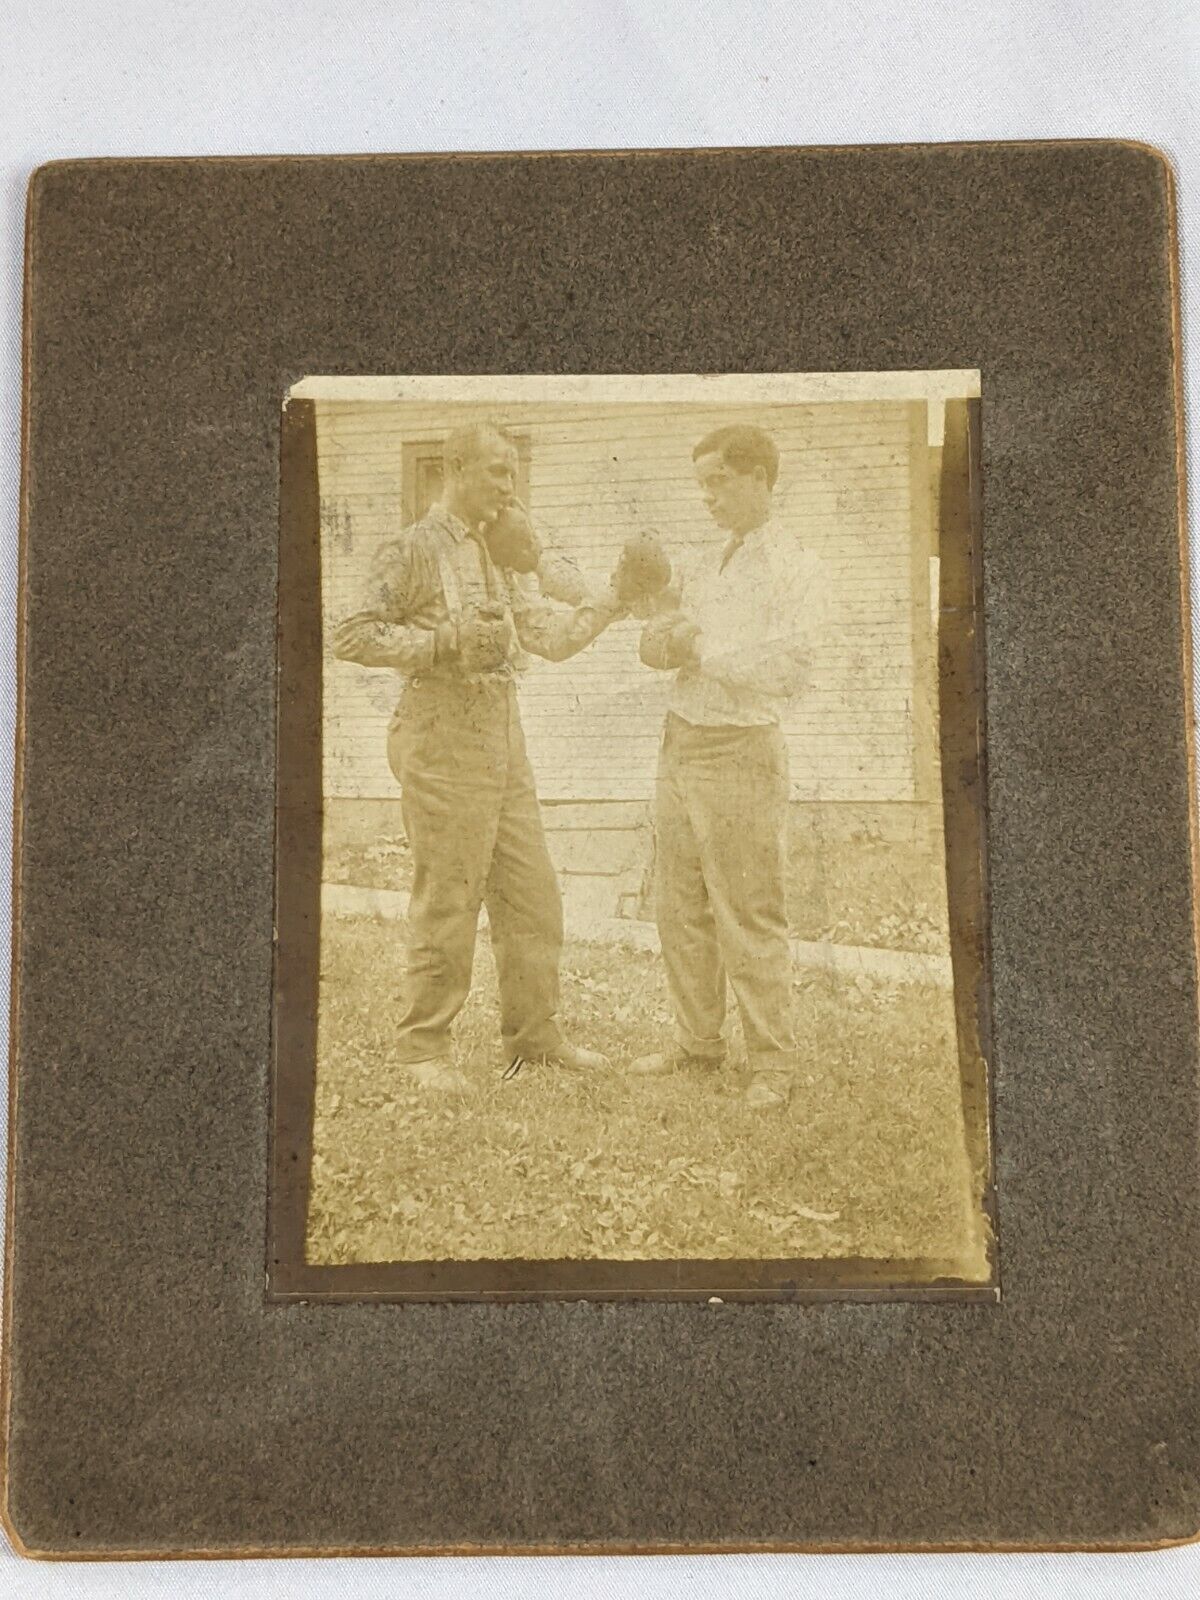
(475, 831)
(721, 861)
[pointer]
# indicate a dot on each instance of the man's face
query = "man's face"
(736, 501)
(488, 479)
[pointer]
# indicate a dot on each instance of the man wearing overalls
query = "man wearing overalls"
(441, 612)
(737, 631)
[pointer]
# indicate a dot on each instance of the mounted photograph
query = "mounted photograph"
(630, 890)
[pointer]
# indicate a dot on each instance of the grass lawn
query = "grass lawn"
(868, 1161)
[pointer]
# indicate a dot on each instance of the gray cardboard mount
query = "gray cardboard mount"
(156, 1402)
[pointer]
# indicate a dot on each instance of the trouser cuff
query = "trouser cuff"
(406, 1055)
(693, 1044)
(540, 1041)
(776, 1063)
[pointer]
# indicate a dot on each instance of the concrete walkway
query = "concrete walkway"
(867, 961)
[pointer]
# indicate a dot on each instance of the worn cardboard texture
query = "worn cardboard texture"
(157, 1403)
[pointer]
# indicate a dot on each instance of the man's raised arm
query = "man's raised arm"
(544, 630)
(556, 633)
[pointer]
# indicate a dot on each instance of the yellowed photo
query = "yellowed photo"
(631, 909)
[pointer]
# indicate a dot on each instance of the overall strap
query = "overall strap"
(450, 590)
(487, 568)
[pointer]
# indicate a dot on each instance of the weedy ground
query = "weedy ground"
(869, 1160)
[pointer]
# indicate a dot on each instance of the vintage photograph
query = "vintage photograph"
(631, 907)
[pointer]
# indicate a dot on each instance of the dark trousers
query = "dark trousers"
(721, 825)
(475, 830)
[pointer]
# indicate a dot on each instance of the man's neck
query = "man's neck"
(454, 507)
(753, 527)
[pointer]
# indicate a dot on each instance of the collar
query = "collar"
(752, 540)
(446, 520)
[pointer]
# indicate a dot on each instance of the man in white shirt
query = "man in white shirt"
(738, 635)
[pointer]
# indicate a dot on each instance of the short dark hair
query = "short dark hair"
(467, 441)
(742, 447)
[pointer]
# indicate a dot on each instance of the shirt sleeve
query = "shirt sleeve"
(555, 633)
(379, 633)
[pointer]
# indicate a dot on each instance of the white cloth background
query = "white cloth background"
(145, 77)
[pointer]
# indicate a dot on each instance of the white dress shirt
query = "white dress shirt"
(759, 604)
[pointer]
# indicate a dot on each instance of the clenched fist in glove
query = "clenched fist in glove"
(643, 571)
(483, 640)
(511, 541)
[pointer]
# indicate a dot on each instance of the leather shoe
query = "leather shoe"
(438, 1074)
(572, 1056)
(664, 1062)
(768, 1091)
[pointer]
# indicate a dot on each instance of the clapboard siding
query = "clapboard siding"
(597, 474)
